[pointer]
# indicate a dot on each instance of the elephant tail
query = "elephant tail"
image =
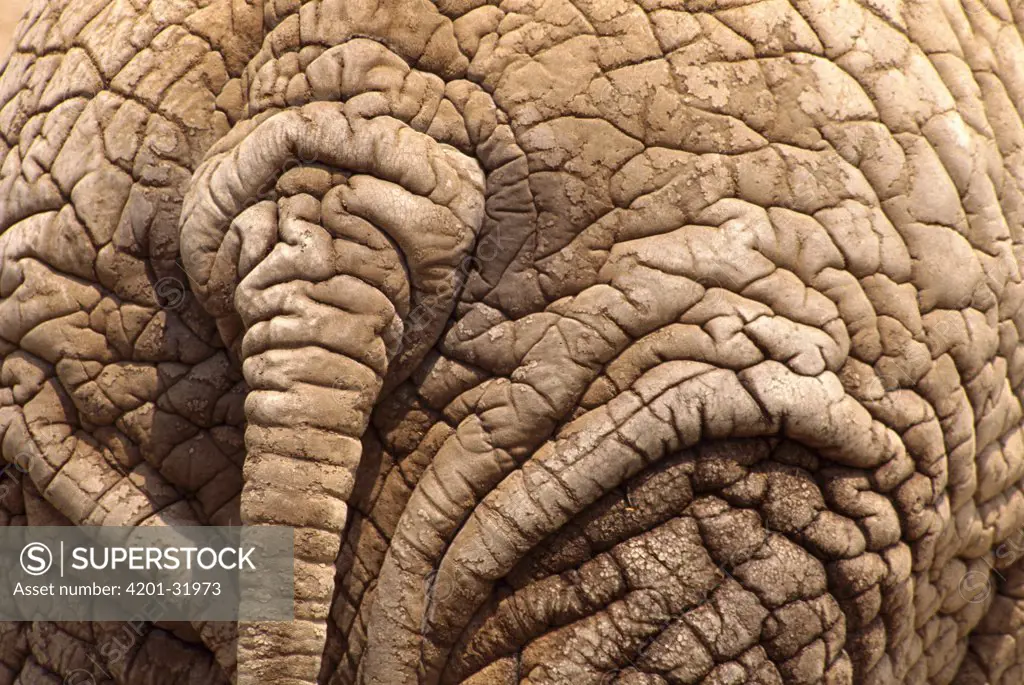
(315, 369)
(330, 247)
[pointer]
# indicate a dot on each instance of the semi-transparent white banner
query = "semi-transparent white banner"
(148, 574)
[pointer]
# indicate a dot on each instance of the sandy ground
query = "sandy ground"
(10, 13)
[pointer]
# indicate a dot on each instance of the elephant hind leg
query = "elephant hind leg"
(700, 569)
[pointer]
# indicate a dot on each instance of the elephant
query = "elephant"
(579, 341)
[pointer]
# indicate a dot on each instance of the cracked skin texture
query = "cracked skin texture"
(591, 341)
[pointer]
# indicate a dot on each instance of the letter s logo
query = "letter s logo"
(36, 559)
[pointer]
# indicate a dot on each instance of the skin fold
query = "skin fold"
(594, 341)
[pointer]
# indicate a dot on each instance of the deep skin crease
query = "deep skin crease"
(581, 341)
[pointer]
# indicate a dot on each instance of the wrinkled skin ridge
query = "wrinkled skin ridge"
(581, 341)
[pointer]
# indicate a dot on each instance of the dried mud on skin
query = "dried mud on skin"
(584, 341)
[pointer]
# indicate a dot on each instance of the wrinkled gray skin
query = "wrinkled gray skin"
(608, 341)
